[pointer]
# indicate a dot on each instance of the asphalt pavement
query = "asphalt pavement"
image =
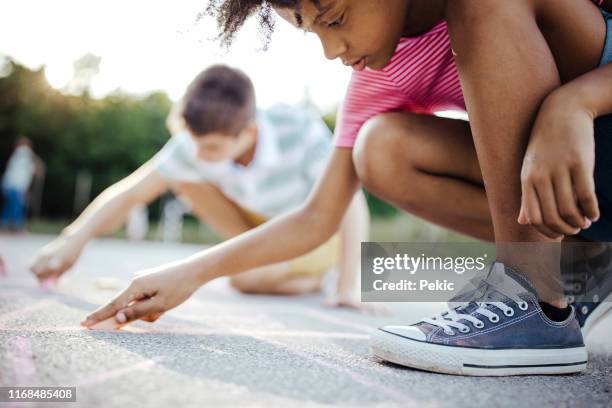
(225, 349)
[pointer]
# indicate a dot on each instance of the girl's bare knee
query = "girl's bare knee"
(382, 156)
(372, 152)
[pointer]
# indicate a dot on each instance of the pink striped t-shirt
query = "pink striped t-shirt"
(421, 78)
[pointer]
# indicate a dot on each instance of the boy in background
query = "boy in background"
(237, 167)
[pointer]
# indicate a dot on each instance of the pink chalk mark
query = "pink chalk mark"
(23, 312)
(119, 372)
(24, 370)
(49, 285)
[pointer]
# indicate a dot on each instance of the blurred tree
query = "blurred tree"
(74, 133)
(84, 71)
(108, 137)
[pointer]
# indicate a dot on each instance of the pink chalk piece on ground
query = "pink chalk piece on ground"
(49, 285)
(109, 324)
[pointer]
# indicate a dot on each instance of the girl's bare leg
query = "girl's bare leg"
(507, 68)
(427, 166)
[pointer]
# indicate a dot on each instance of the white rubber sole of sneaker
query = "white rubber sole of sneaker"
(476, 362)
(597, 315)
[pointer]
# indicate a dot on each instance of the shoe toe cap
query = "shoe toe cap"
(411, 332)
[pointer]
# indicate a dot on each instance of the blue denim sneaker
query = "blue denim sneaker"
(588, 286)
(504, 333)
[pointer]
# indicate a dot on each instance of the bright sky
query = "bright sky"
(150, 45)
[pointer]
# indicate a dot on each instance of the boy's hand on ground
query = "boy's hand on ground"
(56, 257)
(148, 296)
(558, 188)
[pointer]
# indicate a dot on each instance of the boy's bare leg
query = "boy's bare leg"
(427, 166)
(277, 279)
(212, 207)
(507, 68)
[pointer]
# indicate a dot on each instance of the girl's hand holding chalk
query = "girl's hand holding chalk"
(147, 297)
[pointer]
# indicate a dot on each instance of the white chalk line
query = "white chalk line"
(389, 391)
(317, 314)
(196, 331)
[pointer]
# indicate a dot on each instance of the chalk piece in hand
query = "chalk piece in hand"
(48, 285)
(109, 324)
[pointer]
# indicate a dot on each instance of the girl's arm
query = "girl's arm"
(591, 92)
(278, 240)
(354, 230)
(562, 143)
(104, 215)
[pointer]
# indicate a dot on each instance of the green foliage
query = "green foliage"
(109, 137)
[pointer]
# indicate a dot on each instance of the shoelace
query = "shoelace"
(576, 284)
(451, 318)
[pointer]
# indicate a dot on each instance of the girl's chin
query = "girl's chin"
(380, 61)
(376, 64)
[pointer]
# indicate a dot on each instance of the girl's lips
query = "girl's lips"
(360, 65)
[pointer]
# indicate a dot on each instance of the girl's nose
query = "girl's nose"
(333, 47)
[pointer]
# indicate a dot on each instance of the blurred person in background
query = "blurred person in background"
(22, 166)
(237, 167)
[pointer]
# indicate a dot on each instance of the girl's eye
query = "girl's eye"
(336, 23)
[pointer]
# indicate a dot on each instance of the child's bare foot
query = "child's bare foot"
(351, 302)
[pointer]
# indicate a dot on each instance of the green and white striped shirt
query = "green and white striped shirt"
(293, 147)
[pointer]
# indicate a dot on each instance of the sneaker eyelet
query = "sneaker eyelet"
(479, 325)
(494, 319)
(571, 299)
(523, 306)
(509, 312)
(464, 329)
(584, 310)
(577, 287)
(595, 298)
(449, 333)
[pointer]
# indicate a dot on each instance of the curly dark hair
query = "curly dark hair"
(231, 15)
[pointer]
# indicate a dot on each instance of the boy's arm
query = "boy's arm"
(354, 230)
(280, 239)
(105, 214)
(291, 235)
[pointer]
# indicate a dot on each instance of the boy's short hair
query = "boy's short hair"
(221, 100)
